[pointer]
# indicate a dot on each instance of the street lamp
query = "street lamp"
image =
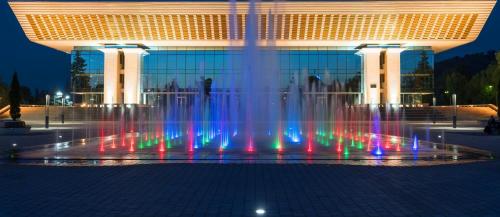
(489, 89)
(67, 99)
(59, 94)
(446, 93)
(63, 102)
(434, 110)
(47, 101)
(62, 110)
(454, 100)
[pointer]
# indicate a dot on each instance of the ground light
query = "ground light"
(415, 143)
(260, 211)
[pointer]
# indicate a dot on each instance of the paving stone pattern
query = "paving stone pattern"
(238, 189)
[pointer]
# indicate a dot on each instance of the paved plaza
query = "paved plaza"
(471, 189)
(238, 190)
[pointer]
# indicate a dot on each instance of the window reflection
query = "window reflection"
(88, 75)
(417, 76)
(342, 67)
(338, 66)
(417, 70)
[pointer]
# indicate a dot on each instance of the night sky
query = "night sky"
(47, 69)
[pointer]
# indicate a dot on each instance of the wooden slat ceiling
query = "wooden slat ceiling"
(294, 21)
(287, 27)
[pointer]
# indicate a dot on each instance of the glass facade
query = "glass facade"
(417, 76)
(90, 78)
(87, 75)
(335, 65)
(162, 66)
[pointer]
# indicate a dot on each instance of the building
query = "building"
(378, 51)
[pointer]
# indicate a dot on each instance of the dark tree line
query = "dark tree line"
(474, 78)
(26, 96)
(15, 98)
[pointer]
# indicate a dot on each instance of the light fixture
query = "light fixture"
(260, 211)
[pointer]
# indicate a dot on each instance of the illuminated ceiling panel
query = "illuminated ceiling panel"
(440, 24)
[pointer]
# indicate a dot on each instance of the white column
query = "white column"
(111, 76)
(393, 75)
(371, 74)
(132, 75)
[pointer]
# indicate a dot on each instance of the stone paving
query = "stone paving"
(239, 189)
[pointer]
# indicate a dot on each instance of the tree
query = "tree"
(455, 83)
(481, 88)
(352, 84)
(470, 65)
(78, 77)
(207, 85)
(313, 82)
(15, 98)
(422, 72)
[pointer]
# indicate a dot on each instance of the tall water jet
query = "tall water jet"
(293, 111)
(260, 82)
(232, 78)
(250, 88)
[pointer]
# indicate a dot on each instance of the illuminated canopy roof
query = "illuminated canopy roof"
(441, 24)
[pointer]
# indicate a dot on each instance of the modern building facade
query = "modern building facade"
(374, 50)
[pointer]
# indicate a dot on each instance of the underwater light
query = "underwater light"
(415, 143)
(260, 211)
(394, 139)
(309, 149)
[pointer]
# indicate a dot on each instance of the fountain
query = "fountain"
(247, 117)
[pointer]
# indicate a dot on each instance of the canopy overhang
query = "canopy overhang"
(440, 24)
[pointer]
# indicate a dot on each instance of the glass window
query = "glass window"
(190, 62)
(417, 71)
(219, 62)
(163, 65)
(342, 62)
(209, 61)
(294, 62)
(171, 61)
(181, 62)
(304, 59)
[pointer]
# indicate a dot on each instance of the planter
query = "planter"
(9, 127)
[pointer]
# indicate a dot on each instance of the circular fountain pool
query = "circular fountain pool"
(148, 148)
